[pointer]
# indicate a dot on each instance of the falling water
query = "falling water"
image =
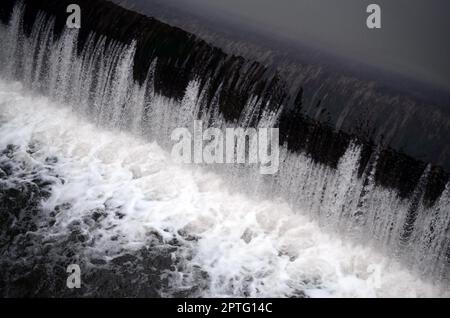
(97, 84)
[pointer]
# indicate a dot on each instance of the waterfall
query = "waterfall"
(96, 81)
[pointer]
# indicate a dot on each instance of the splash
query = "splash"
(115, 132)
(229, 244)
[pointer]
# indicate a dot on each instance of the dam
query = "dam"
(85, 120)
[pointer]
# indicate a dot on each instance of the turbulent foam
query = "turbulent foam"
(110, 135)
(231, 244)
